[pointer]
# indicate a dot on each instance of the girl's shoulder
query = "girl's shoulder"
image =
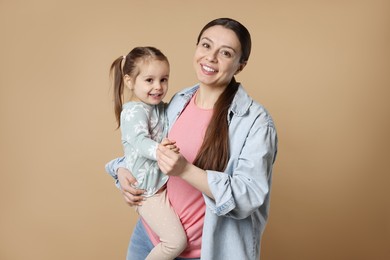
(137, 104)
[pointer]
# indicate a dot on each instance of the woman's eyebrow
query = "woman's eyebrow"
(223, 46)
(206, 38)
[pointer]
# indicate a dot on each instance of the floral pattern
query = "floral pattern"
(143, 127)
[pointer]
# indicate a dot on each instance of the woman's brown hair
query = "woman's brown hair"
(214, 152)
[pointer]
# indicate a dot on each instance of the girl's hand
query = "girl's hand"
(170, 145)
(132, 195)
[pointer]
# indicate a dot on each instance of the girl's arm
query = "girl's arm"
(135, 129)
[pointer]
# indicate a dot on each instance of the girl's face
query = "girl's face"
(151, 84)
(217, 57)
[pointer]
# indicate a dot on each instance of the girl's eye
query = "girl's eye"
(149, 80)
(164, 80)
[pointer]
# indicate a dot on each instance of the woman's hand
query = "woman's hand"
(170, 161)
(174, 164)
(133, 196)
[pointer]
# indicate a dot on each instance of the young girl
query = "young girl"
(143, 122)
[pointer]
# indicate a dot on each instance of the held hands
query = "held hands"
(169, 144)
(173, 163)
(169, 159)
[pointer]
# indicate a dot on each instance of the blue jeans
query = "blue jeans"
(140, 244)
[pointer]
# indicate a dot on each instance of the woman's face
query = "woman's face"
(217, 57)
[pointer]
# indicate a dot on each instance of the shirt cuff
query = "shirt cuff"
(112, 167)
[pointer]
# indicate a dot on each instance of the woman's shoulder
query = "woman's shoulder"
(187, 91)
(246, 105)
(184, 95)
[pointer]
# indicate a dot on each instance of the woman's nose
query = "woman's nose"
(212, 56)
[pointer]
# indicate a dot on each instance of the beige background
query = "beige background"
(320, 67)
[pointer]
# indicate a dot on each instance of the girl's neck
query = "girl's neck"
(206, 97)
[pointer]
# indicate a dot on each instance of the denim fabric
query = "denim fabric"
(140, 244)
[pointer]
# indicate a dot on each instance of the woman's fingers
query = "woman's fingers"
(169, 161)
(132, 195)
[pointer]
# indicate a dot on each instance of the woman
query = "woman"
(219, 184)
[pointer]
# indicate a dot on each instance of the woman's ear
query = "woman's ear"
(240, 68)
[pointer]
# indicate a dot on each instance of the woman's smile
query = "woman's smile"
(208, 69)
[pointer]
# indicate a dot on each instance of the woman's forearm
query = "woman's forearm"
(197, 178)
(174, 164)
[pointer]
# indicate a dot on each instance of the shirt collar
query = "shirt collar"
(240, 104)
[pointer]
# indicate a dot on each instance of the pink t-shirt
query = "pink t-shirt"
(188, 132)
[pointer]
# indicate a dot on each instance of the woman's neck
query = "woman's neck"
(206, 97)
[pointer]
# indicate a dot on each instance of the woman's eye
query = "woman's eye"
(226, 54)
(205, 45)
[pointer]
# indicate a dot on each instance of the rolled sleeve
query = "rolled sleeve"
(112, 167)
(245, 184)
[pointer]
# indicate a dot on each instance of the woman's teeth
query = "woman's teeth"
(208, 69)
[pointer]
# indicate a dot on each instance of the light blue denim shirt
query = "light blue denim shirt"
(235, 219)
